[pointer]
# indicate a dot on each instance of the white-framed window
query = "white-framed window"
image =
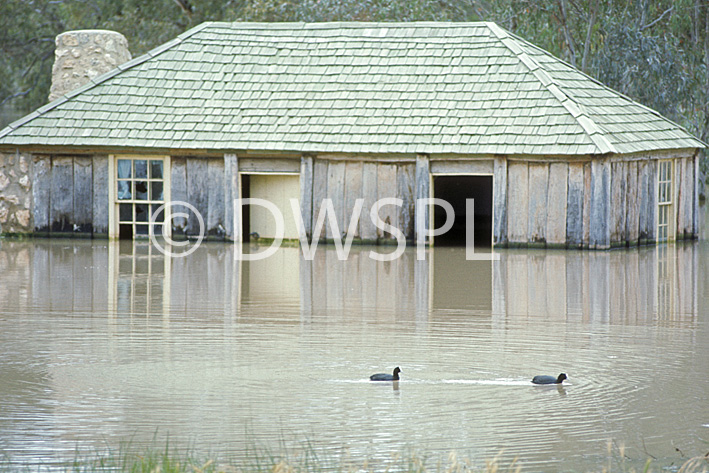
(665, 201)
(140, 185)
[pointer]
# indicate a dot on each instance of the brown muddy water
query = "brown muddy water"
(101, 343)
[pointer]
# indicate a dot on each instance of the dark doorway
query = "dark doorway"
(455, 190)
(245, 209)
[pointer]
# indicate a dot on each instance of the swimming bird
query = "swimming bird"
(545, 379)
(386, 377)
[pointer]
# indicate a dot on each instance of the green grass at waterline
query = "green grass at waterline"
(129, 459)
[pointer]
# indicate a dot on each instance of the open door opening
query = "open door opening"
(455, 189)
(245, 209)
(257, 221)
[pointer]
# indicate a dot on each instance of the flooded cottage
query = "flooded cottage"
(350, 114)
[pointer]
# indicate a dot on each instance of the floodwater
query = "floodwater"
(103, 343)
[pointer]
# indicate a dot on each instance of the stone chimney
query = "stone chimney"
(84, 54)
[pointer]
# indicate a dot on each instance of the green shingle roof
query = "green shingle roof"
(463, 88)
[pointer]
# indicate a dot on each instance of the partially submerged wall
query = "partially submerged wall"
(15, 193)
(598, 203)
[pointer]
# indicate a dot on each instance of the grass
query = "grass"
(129, 459)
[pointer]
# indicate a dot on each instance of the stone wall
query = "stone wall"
(15, 193)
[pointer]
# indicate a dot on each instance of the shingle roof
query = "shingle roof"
(465, 88)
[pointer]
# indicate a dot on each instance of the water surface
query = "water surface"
(100, 343)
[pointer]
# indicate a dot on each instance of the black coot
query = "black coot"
(545, 379)
(386, 377)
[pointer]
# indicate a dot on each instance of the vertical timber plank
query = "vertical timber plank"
(599, 237)
(537, 191)
(651, 204)
(499, 211)
(406, 183)
(101, 202)
(197, 192)
(422, 190)
(643, 197)
(386, 187)
(617, 204)
(62, 195)
(574, 206)
(631, 193)
(231, 192)
(556, 204)
(320, 193)
(368, 231)
(178, 191)
(336, 192)
(695, 197)
(306, 196)
(353, 191)
(83, 195)
(215, 198)
(41, 192)
(587, 204)
(518, 203)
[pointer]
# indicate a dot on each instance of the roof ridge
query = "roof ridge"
(103, 78)
(586, 123)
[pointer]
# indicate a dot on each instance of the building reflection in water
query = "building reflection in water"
(643, 285)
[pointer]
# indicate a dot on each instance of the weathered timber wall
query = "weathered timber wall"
(208, 185)
(597, 204)
(70, 195)
(344, 182)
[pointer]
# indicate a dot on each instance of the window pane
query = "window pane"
(141, 213)
(124, 192)
(124, 169)
(141, 169)
(125, 212)
(156, 191)
(160, 217)
(141, 229)
(157, 231)
(141, 190)
(155, 169)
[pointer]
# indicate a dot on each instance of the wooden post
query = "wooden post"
(600, 204)
(101, 202)
(695, 199)
(499, 196)
(231, 193)
(422, 191)
(41, 185)
(306, 197)
(652, 201)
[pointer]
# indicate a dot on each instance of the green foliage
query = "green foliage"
(654, 52)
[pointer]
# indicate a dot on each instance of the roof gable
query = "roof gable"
(469, 88)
